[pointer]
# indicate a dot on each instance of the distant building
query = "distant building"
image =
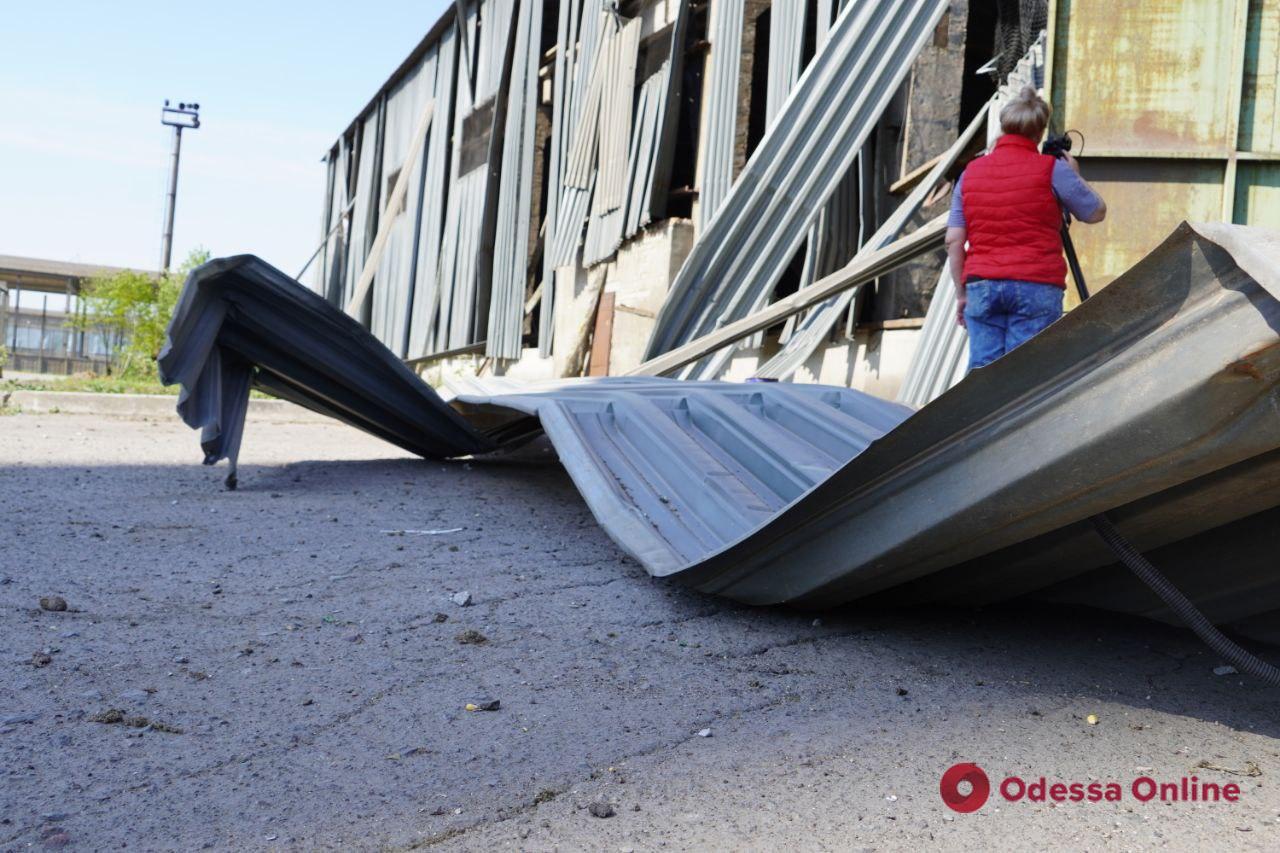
(36, 298)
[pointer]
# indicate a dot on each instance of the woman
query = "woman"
(1011, 276)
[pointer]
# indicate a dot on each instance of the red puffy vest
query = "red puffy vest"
(1012, 215)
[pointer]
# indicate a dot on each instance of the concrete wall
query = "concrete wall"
(874, 361)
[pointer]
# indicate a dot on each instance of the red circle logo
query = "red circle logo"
(979, 788)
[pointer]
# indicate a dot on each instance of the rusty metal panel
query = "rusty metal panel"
(1147, 75)
(1145, 200)
(1260, 95)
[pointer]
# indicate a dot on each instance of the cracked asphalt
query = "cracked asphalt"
(290, 631)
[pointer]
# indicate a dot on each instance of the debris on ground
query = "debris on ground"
(546, 795)
(471, 637)
(483, 705)
(440, 617)
(704, 732)
(40, 659)
(462, 599)
(601, 810)
(1225, 669)
(117, 717)
(423, 532)
(53, 603)
(1250, 769)
(1092, 719)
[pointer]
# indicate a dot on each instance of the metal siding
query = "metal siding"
(1145, 200)
(423, 330)
(515, 201)
(1260, 98)
(1146, 75)
(721, 110)
(1257, 199)
(794, 170)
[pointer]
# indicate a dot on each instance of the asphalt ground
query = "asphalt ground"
(286, 667)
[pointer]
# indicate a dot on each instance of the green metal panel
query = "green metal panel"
(1260, 96)
(1146, 199)
(1146, 75)
(1257, 194)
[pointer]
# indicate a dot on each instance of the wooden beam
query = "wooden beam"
(388, 217)
(864, 268)
(914, 175)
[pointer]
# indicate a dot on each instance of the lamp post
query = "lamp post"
(183, 116)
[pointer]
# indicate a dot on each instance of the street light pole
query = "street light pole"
(183, 116)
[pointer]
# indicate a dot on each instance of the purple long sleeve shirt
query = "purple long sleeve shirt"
(1075, 195)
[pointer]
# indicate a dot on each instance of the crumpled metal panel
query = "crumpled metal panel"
(676, 471)
(242, 323)
(1156, 401)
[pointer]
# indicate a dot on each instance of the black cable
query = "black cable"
(1230, 651)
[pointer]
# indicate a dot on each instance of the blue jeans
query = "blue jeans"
(1001, 314)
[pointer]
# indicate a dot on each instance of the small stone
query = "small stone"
(601, 810)
(181, 659)
(1224, 670)
(462, 599)
(134, 696)
(40, 659)
(704, 732)
(308, 701)
(439, 618)
(902, 691)
(471, 637)
(53, 603)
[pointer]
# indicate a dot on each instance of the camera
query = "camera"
(1057, 146)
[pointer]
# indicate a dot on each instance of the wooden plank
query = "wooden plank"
(864, 268)
(388, 211)
(603, 337)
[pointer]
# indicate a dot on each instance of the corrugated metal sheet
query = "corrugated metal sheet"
(941, 358)
(1155, 402)
(720, 112)
(515, 200)
(241, 323)
(816, 326)
(794, 170)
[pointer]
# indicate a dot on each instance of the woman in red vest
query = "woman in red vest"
(1010, 277)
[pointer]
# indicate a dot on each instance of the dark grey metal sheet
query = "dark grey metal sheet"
(242, 322)
(1157, 401)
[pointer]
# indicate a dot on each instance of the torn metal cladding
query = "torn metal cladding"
(797, 166)
(1154, 402)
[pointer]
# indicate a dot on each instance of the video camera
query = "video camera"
(1057, 146)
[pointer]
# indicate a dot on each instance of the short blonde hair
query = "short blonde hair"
(1027, 115)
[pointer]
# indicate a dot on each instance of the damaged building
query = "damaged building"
(582, 186)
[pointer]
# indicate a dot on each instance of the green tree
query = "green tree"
(134, 308)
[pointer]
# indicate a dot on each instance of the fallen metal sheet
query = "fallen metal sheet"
(241, 323)
(1156, 401)
(676, 470)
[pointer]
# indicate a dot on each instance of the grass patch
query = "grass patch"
(93, 384)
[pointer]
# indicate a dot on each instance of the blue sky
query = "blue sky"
(83, 156)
